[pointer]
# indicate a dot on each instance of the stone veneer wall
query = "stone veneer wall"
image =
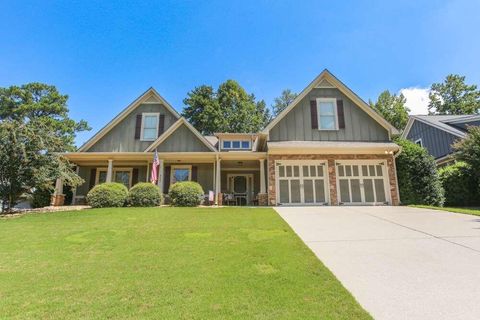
(332, 179)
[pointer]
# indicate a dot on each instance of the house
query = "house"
(328, 147)
(437, 133)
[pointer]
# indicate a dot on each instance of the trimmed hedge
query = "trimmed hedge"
(144, 194)
(461, 188)
(107, 195)
(418, 178)
(186, 194)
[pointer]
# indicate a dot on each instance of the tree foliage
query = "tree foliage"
(392, 108)
(454, 96)
(468, 150)
(418, 178)
(34, 129)
(460, 185)
(283, 101)
(228, 109)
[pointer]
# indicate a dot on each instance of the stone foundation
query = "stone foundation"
(57, 200)
(263, 199)
(332, 178)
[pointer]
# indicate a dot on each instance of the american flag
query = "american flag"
(154, 175)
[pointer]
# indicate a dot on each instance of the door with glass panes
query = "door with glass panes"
(362, 182)
(301, 182)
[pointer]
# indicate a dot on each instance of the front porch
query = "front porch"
(233, 178)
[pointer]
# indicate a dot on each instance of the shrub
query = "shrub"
(144, 194)
(41, 197)
(461, 188)
(468, 150)
(107, 195)
(418, 178)
(186, 194)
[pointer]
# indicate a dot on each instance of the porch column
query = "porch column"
(147, 176)
(160, 175)
(218, 189)
(74, 191)
(263, 188)
(58, 197)
(109, 171)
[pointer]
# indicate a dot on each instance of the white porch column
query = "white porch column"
(263, 188)
(147, 177)
(160, 175)
(74, 191)
(58, 187)
(109, 171)
(218, 188)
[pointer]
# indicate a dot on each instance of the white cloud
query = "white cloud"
(417, 99)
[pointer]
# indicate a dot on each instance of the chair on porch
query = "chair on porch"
(229, 199)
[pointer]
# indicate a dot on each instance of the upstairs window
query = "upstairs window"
(236, 144)
(327, 114)
(149, 126)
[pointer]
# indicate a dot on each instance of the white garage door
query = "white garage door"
(362, 182)
(301, 182)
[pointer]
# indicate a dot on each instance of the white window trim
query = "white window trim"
(334, 100)
(239, 140)
(104, 169)
(419, 140)
(157, 115)
(178, 166)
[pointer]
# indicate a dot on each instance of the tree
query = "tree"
(229, 109)
(468, 150)
(454, 96)
(39, 103)
(34, 130)
(418, 179)
(283, 101)
(392, 108)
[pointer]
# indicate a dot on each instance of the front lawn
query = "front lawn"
(473, 211)
(164, 263)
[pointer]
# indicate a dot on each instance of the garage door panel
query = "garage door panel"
(308, 191)
(295, 191)
(320, 194)
(284, 192)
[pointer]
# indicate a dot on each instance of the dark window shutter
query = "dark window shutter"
(138, 126)
(134, 176)
(194, 173)
(161, 124)
(313, 114)
(340, 114)
(93, 175)
(166, 179)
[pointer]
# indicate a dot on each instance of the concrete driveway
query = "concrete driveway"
(398, 262)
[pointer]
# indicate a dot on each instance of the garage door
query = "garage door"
(301, 182)
(362, 182)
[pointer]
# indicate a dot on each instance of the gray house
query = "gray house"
(437, 133)
(328, 147)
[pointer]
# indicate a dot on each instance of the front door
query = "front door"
(241, 185)
(301, 182)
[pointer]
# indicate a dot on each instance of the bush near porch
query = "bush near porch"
(105, 195)
(186, 194)
(144, 194)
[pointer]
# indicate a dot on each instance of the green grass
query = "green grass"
(472, 211)
(164, 263)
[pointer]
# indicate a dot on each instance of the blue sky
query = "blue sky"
(105, 54)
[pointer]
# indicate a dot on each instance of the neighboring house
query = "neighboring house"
(437, 133)
(328, 147)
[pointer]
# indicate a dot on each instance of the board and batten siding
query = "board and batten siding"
(296, 125)
(437, 142)
(121, 138)
(182, 140)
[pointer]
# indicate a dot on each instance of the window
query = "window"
(236, 144)
(149, 126)
(120, 175)
(419, 142)
(181, 173)
(327, 114)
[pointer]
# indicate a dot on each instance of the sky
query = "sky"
(105, 54)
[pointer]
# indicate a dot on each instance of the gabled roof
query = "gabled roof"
(442, 122)
(327, 80)
(148, 96)
(172, 129)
